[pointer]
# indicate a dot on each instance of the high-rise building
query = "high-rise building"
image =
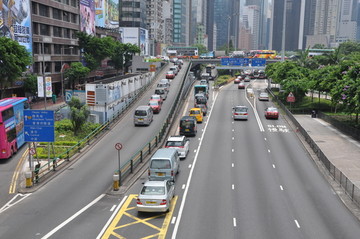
(180, 16)
(133, 13)
(294, 24)
(210, 26)
(347, 25)
(168, 23)
(155, 22)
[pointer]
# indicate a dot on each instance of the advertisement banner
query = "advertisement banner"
(107, 13)
(40, 84)
(87, 16)
(130, 35)
(15, 22)
(48, 86)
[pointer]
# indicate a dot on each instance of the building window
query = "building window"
(57, 66)
(74, 3)
(35, 28)
(74, 18)
(66, 16)
(34, 8)
(67, 33)
(67, 2)
(57, 49)
(57, 31)
(43, 10)
(56, 14)
(44, 30)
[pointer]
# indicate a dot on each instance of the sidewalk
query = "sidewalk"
(40, 105)
(341, 150)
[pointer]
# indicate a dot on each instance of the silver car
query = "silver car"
(155, 196)
(240, 112)
(264, 96)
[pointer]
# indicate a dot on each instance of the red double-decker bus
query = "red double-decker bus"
(12, 125)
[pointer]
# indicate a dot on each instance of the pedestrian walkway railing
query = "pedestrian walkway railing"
(349, 187)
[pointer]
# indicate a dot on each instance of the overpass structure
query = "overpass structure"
(217, 62)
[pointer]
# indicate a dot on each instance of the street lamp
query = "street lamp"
(228, 38)
(61, 70)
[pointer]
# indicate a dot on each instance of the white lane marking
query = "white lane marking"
(269, 150)
(232, 165)
(182, 205)
(261, 127)
(53, 231)
(232, 122)
(232, 130)
(195, 151)
(10, 204)
(112, 208)
(202, 130)
(189, 166)
(173, 220)
(233, 138)
(234, 222)
(281, 187)
(233, 187)
(273, 165)
(297, 224)
(183, 186)
(265, 139)
(111, 218)
(199, 138)
(232, 150)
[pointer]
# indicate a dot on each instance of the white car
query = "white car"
(155, 196)
(180, 143)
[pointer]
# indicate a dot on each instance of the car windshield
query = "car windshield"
(194, 112)
(155, 97)
(264, 95)
(160, 164)
(240, 109)
(272, 110)
(153, 103)
(159, 92)
(186, 124)
(153, 190)
(140, 112)
(174, 143)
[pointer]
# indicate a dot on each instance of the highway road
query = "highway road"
(241, 179)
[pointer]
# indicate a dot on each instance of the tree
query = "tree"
(129, 51)
(117, 58)
(14, 59)
(76, 72)
(95, 49)
(30, 84)
(201, 48)
(79, 114)
(318, 46)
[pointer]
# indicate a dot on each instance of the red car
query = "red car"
(241, 85)
(155, 105)
(271, 113)
(237, 80)
(170, 75)
(157, 97)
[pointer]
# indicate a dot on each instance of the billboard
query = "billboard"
(15, 22)
(107, 13)
(137, 36)
(87, 16)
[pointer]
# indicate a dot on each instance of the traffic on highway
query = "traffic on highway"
(231, 166)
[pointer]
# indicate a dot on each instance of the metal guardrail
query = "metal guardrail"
(349, 187)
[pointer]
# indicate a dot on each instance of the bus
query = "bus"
(319, 52)
(182, 52)
(268, 54)
(12, 135)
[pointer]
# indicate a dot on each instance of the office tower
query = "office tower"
(347, 26)
(180, 29)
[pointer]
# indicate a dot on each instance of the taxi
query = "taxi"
(197, 113)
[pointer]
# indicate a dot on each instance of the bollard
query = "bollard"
(116, 182)
(28, 176)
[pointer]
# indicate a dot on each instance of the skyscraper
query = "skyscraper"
(347, 25)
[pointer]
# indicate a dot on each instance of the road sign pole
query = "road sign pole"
(30, 166)
(119, 168)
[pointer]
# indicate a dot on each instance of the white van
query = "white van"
(162, 92)
(174, 69)
(143, 115)
(164, 165)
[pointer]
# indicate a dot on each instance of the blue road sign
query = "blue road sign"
(39, 125)
(235, 61)
(258, 62)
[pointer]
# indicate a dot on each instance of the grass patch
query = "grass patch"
(223, 79)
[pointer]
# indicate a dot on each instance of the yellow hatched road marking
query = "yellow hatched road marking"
(123, 211)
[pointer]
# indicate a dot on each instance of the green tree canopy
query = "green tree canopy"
(76, 72)
(79, 114)
(201, 48)
(14, 59)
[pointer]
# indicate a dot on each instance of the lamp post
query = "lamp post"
(61, 69)
(228, 37)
